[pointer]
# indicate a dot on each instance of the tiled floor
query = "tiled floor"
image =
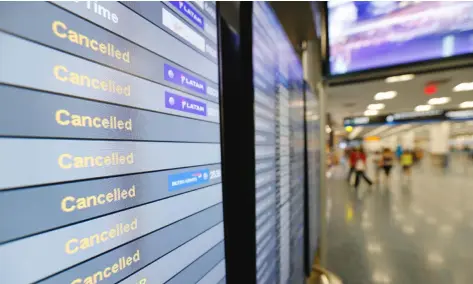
(417, 233)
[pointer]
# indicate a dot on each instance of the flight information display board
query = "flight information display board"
(265, 84)
(297, 166)
(112, 172)
(279, 151)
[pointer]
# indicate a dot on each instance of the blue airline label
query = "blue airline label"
(189, 12)
(180, 103)
(192, 178)
(181, 78)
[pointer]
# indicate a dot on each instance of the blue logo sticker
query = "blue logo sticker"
(188, 179)
(189, 12)
(181, 78)
(180, 103)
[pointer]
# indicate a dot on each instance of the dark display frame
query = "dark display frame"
(312, 247)
(307, 254)
(238, 151)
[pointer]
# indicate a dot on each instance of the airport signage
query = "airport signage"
(411, 117)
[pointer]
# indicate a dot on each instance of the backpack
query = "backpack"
(359, 165)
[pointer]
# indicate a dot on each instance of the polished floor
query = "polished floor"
(406, 232)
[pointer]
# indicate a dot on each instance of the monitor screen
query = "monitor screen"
(364, 35)
(279, 150)
(110, 143)
(265, 66)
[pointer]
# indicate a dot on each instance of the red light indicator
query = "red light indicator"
(430, 89)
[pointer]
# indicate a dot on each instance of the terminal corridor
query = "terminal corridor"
(420, 233)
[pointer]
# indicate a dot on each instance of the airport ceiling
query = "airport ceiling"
(353, 99)
(295, 17)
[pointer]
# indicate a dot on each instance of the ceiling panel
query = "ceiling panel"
(352, 100)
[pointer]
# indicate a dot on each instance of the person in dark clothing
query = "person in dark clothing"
(387, 162)
(351, 163)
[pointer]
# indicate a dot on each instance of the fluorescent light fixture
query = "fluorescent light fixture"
(379, 277)
(462, 87)
(376, 106)
(439, 101)
(374, 248)
(400, 78)
(385, 95)
(435, 258)
(466, 104)
(297, 103)
(408, 230)
(423, 108)
(370, 112)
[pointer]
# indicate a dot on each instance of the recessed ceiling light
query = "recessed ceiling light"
(466, 104)
(423, 108)
(462, 87)
(400, 78)
(439, 101)
(385, 95)
(370, 112)
(435, 258)
(376, 106)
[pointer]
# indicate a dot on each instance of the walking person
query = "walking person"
(360, 168)
(387, 160)
(351, 163)
(399, 152)
(407, 160)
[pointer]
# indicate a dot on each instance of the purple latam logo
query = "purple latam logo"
(181, 78)
(180, 103)
(190, 12)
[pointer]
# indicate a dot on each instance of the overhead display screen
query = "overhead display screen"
(279, 142)
(112, 171)
(367, 35)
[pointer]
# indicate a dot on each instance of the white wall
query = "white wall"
(372, 146)
(389, 142)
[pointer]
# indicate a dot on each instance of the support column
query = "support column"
(439, 148)
(389, 142)
(439, 136)
(408, 140)
(311, 63)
